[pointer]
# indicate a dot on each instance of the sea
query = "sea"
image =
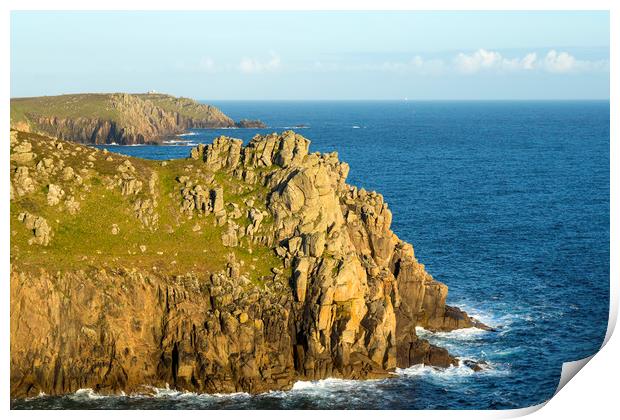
(506, 202)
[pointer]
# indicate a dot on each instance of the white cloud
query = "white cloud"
(553, 62)
(492, 60)
(563, 62)
(253, 65)
(559, 62)
(529, 61)
(479, 61)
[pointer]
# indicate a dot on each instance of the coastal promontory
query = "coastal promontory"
(122, 118)
(240, 268)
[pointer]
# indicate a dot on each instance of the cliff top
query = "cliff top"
(109, 210)
(102, 105)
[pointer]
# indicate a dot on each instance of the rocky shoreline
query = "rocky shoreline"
(300, 278)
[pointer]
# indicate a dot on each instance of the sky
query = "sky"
(314, 55)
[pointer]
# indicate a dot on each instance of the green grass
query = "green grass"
(88, 105)
(85, 240)
(185, 106)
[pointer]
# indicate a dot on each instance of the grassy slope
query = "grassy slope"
(184, 106)
(90, 105)
(84, 240)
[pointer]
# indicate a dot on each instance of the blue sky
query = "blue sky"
(314, 55)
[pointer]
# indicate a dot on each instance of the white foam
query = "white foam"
(460, 371)
(191, 133)
(331, 384)
(460, 334)
(168, 392)
(87, 394)
(176, 141)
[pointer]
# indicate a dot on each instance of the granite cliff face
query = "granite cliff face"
(300, 276)
(116, 118)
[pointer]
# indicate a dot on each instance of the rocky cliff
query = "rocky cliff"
(116, 118)
(241, 268)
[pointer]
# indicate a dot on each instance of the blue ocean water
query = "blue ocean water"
(505, 202)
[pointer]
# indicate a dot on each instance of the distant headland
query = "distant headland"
(122, 118)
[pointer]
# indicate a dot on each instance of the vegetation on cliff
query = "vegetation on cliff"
(241, 268)
(116, 118)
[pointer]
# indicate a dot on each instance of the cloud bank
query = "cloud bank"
(479, 61)
(552, 62)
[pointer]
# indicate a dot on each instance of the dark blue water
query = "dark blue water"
(505, 202)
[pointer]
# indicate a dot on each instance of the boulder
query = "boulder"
(54, 194)
(41, 230)
(229, 237)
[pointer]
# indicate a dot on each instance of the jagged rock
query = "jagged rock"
(22, 153)
(67, 173)
(197, 152)
(235, 212)
(126, 166)
(224, 152)
(22, 181)
(145, 212)
(41, 230)
(45, 165)
(229, 237)
(217, 199)
(194, 198)
(72, 205)
(54, 194)
(300, 276)
(130, 186)
(256, 217)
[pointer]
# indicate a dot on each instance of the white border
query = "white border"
(594, 394)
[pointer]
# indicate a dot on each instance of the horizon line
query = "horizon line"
(339, 99)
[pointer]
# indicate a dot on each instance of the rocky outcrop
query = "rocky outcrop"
(118, 118)
(250, 124)
(343, 298)
(41, 231)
